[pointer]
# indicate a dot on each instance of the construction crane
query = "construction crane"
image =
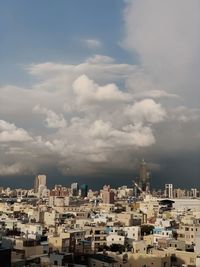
(138, 187)
(142, 193)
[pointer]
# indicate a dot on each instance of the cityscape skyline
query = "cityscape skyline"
(99, 133)
(142, 181)
(78, 101)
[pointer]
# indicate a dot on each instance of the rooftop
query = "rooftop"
(103, 258)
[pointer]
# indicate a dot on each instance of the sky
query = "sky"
(89, 88)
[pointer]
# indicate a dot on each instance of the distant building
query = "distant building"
(179, 193)
(144, 183)
(59, 191)
(193, 192)
(40, 182)
(74, 189)
(107, 195)
(169, 190)
(84, 190)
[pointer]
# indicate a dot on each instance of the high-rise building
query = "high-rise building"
(143, 182)
(107, 195)
(169, 190)
(74, 189)
(193, 192)
(40, 182)
(179, 193)
(84, 190)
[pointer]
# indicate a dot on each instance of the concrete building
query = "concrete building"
(169, 190)
(107, 195)
(74, 189)
(31, 230)
(139, 247)
(59, 201)
(159, 232)
(40, 183)
(115, 239)
(143, 182)
(59, 243)
(179, 193)
(96, 235)
(60, 259)
(188, 233)
(84, 190)
(193, 192)
(28, 247)
(133, 232)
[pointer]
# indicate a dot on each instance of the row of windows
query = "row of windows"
(190, 229)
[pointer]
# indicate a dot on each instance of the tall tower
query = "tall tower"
(40, 181)
(169, 190)
(144, 177)
(74, 189)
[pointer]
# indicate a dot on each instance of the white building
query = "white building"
(40, 182)
(169, 190)
(31, 230)
(133, 232)
(115, 239)
(58, 201)
(50, 217)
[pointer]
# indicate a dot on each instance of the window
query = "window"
(192, 260)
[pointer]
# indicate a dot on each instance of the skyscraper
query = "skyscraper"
(144, 183)
(40, 181)
(74, 189)
(169, 190)
(84, 190)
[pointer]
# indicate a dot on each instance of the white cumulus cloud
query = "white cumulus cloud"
(87, 91)
(146, 110)
(11, 133)
(52, 120)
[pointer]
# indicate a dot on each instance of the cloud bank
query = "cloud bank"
(100, 116)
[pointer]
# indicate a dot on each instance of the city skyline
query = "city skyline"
(89, 88)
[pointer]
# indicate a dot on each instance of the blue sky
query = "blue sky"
(38, 31)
